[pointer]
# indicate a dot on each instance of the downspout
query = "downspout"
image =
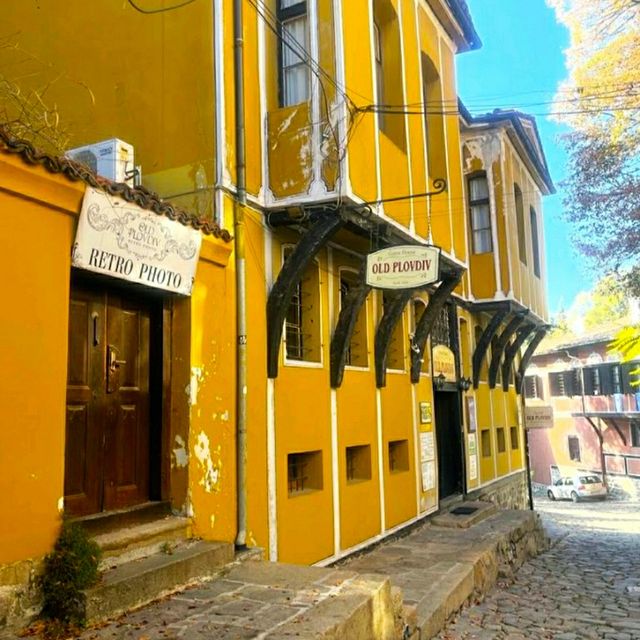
(241, 290)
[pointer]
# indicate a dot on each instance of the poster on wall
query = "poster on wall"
(473, 456)
(428, 475)
(120, 239)
(427, 446)
(425, 413)
(472, 419)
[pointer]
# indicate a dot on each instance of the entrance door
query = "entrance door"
(447, 414)
(107, 425)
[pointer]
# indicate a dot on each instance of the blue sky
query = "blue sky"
(520, 64)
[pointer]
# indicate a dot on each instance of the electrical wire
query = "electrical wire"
(163, 10)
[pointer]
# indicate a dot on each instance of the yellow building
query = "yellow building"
(365, 407)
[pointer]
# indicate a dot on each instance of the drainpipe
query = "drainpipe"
(241, 289)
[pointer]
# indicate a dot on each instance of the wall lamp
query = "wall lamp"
(464, 384)
(440, 380)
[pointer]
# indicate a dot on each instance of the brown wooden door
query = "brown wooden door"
(107, 435)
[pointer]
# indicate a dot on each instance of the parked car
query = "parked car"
(577, 487)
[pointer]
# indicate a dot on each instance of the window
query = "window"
(395, 354)
(357, 355)
(358, 463)
(419, 307)
(522, 242)
(574, 448)
(302, 321)
(304, 472)
(513, 433)
(635, 433)
(480, 214)
(557, 383)
(616, 378)
(535, 245)
(533, 387)
(502, 443)
(434, 121)
(388, 56)
(398, 456)
(294, 71)
(592, 385)
(485, 441)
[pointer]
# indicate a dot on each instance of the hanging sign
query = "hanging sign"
(444, 362)
(538, 417)
(403, 267)
(122, 240)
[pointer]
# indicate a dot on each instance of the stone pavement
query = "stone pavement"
(586, 586)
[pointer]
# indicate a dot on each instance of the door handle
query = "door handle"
(112, 359)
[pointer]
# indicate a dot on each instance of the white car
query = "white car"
(577, 487)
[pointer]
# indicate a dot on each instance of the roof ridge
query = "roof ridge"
(78, 172)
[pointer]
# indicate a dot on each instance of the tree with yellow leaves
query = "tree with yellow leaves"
(600, 101)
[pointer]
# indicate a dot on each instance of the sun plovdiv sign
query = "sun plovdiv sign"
(403, 267)
(122, 240)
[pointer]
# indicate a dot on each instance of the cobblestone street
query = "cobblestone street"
(586, 586)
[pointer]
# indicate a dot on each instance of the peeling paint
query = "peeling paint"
(224, 417)
(180, 454)
(61, 504)
(211, 470)
(486, 149)
(197, 375)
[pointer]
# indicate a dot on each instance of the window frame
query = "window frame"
(283, 15)
(520, 223)
(573, 445)
(535, 241)
(479, 175)
(363, 320)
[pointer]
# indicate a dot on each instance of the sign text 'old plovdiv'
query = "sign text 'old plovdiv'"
(122, 240)
(403, 267)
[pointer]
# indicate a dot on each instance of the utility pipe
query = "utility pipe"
(241, 288)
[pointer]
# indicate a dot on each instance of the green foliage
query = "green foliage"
(71, 567)
(627, 344)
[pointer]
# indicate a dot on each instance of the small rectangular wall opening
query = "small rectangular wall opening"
(304, 472)
(358, 463)
(515, 442)
(502, 443)
(485, 438)
(398, 456)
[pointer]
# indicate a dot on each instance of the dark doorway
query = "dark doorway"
(447, 416)
(110, 391)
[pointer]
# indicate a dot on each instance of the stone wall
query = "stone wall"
(506, 493)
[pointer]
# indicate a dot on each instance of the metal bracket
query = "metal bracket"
(280, 295)
(528, 354)
(512, 350)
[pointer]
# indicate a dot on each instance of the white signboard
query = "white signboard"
(122, 240)
(403, 267)
(473, 456)
(538, 417)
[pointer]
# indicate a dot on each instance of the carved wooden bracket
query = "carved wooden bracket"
(528, 354)
(512, 350)
(351, 306)
(387, 324)
(501, 343)
(320, 232)
(437, 300)
(485, 341)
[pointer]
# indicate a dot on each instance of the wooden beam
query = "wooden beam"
(615, 425)
(501, 343)
(485, 341)
(387, 324)
(528, 354)
(437, 300)
(343, 333)
(319, 233)
(512, 350)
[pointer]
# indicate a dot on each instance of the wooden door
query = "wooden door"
(107, 434)
(448, 438)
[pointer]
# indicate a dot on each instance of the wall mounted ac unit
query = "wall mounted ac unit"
(112, 159)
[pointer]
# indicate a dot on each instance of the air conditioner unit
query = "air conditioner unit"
(112, 159)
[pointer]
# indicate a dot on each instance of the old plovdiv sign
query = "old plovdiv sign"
(444, 363)
(403, 267)
(122, 240)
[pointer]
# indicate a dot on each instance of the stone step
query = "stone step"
(464, 514)
(141, 581)
(136, 541)
(99, 523)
